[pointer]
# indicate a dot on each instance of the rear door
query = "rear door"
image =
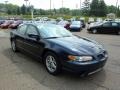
(20, 37)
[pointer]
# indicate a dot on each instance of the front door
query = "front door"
(115, 27)
(32, 45)
(106, 27)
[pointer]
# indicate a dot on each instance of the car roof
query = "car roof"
(110, 21)
(40, 24)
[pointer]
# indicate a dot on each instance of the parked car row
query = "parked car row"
(73, 25)
(105, 27)
(69, 25)
(5, 24)
(94, 27)
(76, 26)
(64, 24)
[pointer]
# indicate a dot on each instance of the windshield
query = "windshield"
(98, 23)
(53, 31)
(76, 22)
(62, 23)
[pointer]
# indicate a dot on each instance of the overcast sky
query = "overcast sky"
(44, 4)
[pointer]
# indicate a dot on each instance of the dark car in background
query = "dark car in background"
(6, 24)
(76, 26)
(58, 48)
(83, 23)
(1, 22)
(64, 24)
(15, 24)
(105, 27)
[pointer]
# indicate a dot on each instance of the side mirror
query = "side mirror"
(37, 37)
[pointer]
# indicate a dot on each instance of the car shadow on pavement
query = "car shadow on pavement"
(66, 80)
(106, 34)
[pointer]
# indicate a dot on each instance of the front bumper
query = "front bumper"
(86, 67)
(75, 29)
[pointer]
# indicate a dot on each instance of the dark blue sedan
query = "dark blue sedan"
(59, 49)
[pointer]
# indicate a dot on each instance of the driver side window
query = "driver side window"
(32, 30)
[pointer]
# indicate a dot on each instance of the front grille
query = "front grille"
(102, 55)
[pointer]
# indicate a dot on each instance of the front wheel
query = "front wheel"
(52, 63)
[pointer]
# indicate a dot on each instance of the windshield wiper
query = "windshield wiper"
(50, 37)
(66, 36)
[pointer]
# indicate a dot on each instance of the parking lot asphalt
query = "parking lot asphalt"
(21, 72)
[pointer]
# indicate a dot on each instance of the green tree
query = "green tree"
(18, 11)
(86, 7)
(98, 8)
(111, 9)
(11, 9)
(42, 12)
(23, 9)
(64, 10)
(118, 11)
(94, 8)
(102, 8)
(75, 12)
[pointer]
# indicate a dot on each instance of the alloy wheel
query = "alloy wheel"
(51, 63)
(13, 45)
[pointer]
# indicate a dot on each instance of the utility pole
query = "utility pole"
(116, 6)
(6, 2)
(62, 12)
(32, 12)
(116, 3)
(26, 4)
(50, 7)
(62, 3)
(80, 6)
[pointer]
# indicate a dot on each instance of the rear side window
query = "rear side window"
(114, 24)
(32, 30)
(22, 29)
(107, 24)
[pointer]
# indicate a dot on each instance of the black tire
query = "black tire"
(58, 64)
(14, 46)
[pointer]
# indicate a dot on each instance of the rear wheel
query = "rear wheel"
(13, 46)
(94, 31)
(52, 63)
(118, 32)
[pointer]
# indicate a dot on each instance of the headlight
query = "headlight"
(80, 58)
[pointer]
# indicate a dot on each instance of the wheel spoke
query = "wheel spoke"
(13, 45)
(51, 63)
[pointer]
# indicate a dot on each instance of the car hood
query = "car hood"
(75, 26)
(81, 46)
